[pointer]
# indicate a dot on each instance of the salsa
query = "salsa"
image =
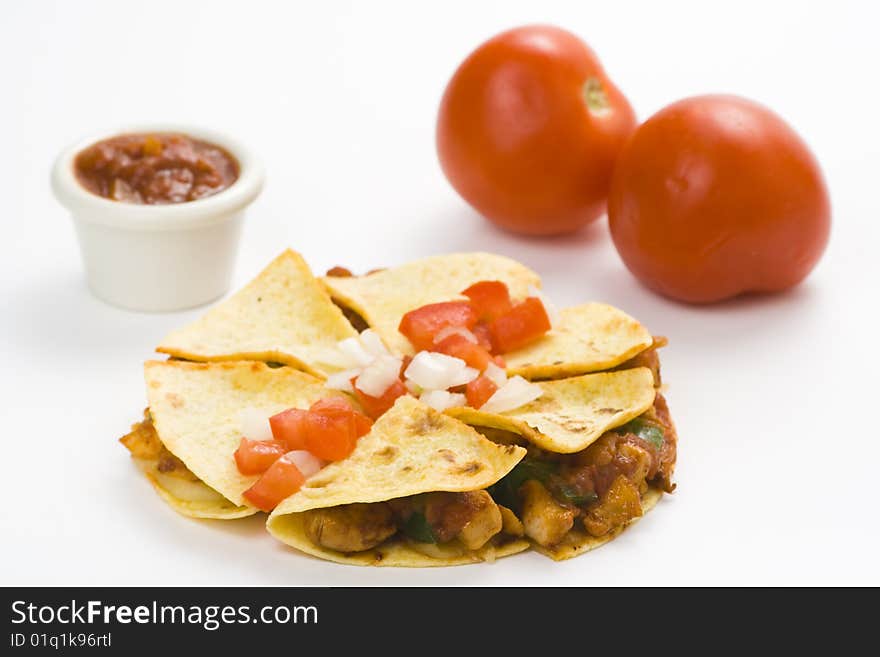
(155, 169)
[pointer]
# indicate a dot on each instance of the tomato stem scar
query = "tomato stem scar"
(595, 97)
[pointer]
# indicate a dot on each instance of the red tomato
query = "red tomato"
(460, 347)
(714, 196)
(376, 406)
(289, 427)
(255, 456)
(279, 482)
(422, 324)
(479, 390)
(490, 299)
(529, 128)
(526, 322)
(484, 336)
(331, 431)
(362, 424)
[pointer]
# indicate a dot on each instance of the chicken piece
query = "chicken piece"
(510, 524)
(666, 466)
(620, 504)
(350, 527)
(544, 520)
(485, 523)
(144, 444)
(472, 516)
(143, 441)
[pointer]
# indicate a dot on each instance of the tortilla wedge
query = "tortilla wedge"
(194, 499)
(283, 315)
(411, 449)
(195, 411)
(587, 338)
(572, 413)
(383, 297)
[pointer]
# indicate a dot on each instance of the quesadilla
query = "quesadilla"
(601, 452)
(282, 316)
(383, 297)
(413, 493)
(186, 442)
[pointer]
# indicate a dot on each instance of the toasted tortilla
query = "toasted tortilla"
(411, 449)
(384, 297)
(573, 413)
(284, 315)
(577, 541)
(195, 409)
(194, 499)
(587, 338)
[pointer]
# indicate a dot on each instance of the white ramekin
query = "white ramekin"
(158, 257)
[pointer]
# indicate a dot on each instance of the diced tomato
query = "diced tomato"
(331, 432)
(422, 324)
(479, 390)
(376, 406)
(460, 347)
(289, 428)
(490, 299)
(484, 336)
(362, 424)
(279, 482)
(500, 362)
(255, 456)
(332, 405)
(526, 322)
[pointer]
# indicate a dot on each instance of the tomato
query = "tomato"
(376, 406)
(279, 482)
(331, 430)
(529, 128)
(484, 335)
(422, 324)
(460, 347)
(526, 322)
(715, 196)
(255, 456)
(289, 427)
(490, 299)
(362, 424)
(479, 390)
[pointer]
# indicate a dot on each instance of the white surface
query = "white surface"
(155, 257)
(775, 398)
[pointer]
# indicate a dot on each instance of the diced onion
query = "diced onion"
(372, 343)
(342, 380)
(441, 399)
(379, 375)
(513, 394)
(413, 387)
(495, 374)
(444, 333)
(355, 352)
(433, 371)
(549, 307)
(305, 462)
(254, 424)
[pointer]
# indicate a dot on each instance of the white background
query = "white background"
(775, 398)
